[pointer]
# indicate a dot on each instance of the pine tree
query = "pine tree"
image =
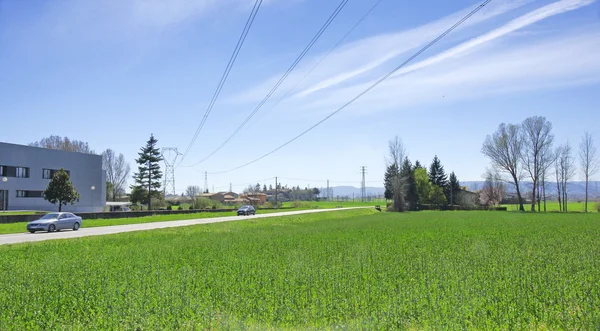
(265, 188)
(408, 173)
(149, 174)
(388, 179)
(418, 165)
(452, 189)
(437, 176)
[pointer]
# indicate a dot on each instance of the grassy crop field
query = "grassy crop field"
(351, 270)
(554, 206)
(24, 212)
(22, 226)
(333, 204)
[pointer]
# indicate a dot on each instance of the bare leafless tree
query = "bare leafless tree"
(493, 190)
(63, 144)
(395, 157)
(537, 139)
(564, 170)
(546, 162)
(193, 192)
(504, 149)
(396, 152)
(117, 171)
(588, 160)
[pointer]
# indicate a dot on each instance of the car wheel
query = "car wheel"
(75, 226)
(51, 228)
(31, 231)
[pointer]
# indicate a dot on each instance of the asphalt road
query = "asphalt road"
(103, 230)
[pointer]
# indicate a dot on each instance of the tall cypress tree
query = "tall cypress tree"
(437, 176)
(149, 174)
(388, 180)
(408, 173)
(452, 189)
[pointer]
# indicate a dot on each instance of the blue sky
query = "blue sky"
(112, 72)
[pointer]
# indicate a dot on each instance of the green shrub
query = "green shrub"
(598, 206)
(191, 207)
(169, 207)
(203, 203)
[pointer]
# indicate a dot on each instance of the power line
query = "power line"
(279, 82)
(320, 60)
(232, 59)
(403, 64)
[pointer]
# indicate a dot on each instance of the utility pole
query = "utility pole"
(328, 190)
(275, 192)
(205, 182)
(363, 188)
(230, 188)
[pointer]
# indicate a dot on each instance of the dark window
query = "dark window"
(10, 171)
(29, 194)
(49, 173)
(22, 172)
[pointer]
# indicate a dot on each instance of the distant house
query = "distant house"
(222, 197)
(255, 198)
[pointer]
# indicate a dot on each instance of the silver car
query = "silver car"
(55, 222)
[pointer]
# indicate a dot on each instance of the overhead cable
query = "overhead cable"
(379, 81)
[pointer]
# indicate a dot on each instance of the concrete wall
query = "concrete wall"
(85, 172)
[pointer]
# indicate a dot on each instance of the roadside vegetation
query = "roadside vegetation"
(357, 269)
(21, 227)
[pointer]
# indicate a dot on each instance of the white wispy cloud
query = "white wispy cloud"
(550, 10)
(404, 41)
(362, 56)
(496, 62)
(544, 62)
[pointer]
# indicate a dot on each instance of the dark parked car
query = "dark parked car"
(55, 222)
(246, 210)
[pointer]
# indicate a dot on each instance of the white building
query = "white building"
(25, 172)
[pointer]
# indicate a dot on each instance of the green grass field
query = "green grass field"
(340, 270)
(18, 212)
(553, 206)
(22, 226)
(333, 204)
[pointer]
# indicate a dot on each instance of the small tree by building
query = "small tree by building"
(138, 195)
(60, 190)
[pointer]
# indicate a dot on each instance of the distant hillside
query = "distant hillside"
(576, 189)
(349, 190)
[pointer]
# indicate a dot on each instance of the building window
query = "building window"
(29, 194)
(22, 172)
(49, 173)
(10, 171)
